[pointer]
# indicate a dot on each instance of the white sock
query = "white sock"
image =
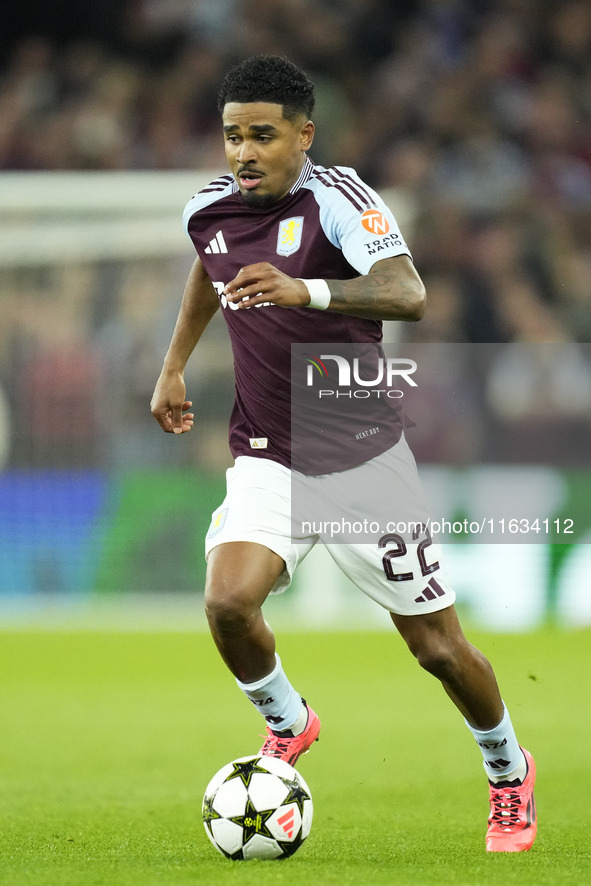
(277, 700)
(503, 758)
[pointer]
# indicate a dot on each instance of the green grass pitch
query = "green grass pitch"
(108, 740)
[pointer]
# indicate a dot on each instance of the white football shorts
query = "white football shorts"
(404, 577)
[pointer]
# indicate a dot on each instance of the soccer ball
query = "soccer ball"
(257, 807)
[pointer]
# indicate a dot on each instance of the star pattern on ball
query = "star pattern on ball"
(209, 813)
(245, 770)
(253, 822)
(297, 794)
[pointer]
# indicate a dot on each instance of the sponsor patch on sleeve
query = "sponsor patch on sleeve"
(375, 222)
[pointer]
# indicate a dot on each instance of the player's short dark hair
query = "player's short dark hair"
(269, 78)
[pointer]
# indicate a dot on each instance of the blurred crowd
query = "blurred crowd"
(476, 114)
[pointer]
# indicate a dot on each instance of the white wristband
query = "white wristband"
(319, 293)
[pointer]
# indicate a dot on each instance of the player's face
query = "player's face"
(264, 149)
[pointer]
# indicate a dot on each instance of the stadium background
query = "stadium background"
(473, 119)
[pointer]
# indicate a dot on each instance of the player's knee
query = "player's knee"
(228, 608)
(437, 658)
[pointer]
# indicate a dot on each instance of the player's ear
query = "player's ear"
(307, 134)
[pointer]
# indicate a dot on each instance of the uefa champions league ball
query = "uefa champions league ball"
(257, 807)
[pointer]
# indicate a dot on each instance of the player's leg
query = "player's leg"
(251, 554)
(240, 575)
(439, 645)
(405, 574)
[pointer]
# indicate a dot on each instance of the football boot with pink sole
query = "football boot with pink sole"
(512, 822)
(290, 747)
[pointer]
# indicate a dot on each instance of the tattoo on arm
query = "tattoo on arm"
(391, 291)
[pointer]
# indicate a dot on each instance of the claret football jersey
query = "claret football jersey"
(330, 226)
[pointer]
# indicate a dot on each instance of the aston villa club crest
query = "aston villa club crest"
(289, 238)
(217, 522)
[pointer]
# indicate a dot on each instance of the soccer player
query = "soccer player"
(293, 252)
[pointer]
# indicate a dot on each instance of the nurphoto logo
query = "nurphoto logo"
(389, 367)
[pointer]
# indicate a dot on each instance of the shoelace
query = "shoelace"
(505, 803)
(275, 743)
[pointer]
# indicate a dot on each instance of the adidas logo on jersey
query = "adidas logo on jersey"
(217, 245)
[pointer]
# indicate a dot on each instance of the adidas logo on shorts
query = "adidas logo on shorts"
(217, 245)
(431, 592)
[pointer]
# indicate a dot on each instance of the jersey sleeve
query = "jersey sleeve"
(214, 191)
(356, 220)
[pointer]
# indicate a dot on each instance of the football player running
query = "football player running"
(287, 249)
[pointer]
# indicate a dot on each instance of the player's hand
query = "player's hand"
(263, 282)
(169, 404)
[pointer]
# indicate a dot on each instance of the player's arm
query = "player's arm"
(198, 306)
(392, 290)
